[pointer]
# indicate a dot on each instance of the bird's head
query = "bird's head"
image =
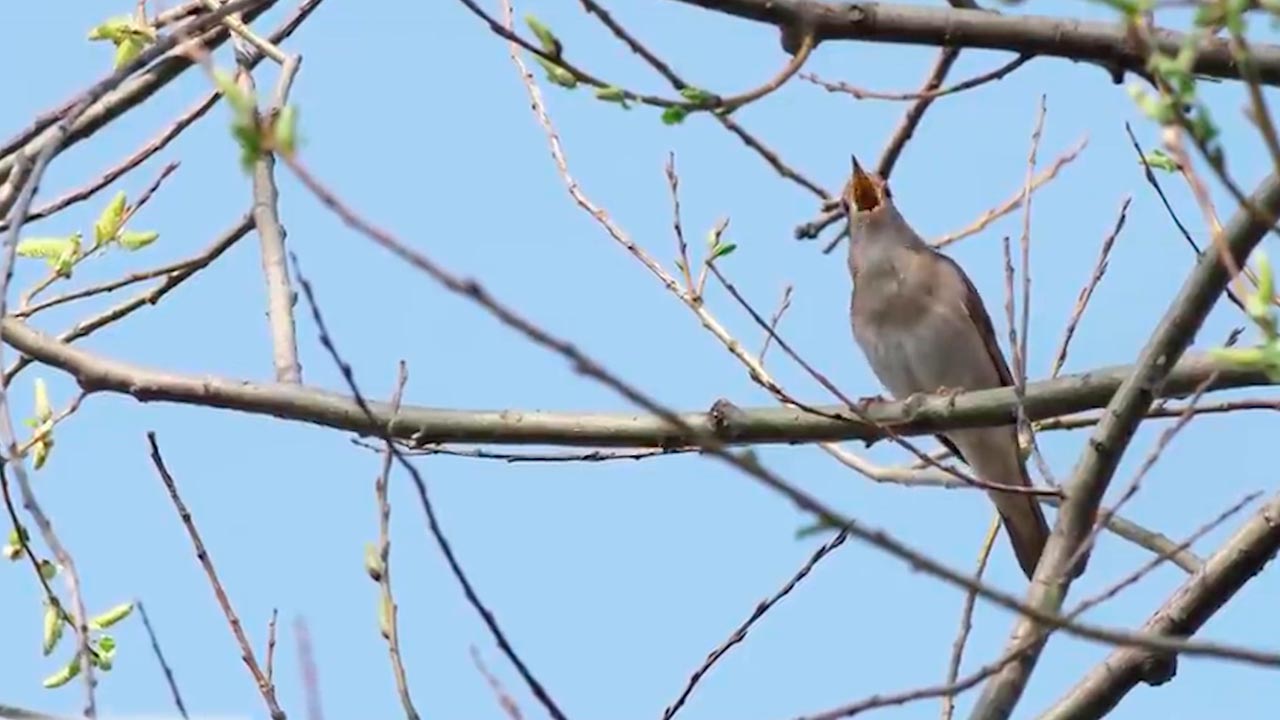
(865, 194)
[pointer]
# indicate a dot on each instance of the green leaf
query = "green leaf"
(46, 248)
(60, 253)
(550, 43)
(127, 50)
(557, 74)
(52, 628)
(48, 570)
(1130, 8)
(674, 115)
(1266, 280)
(137, 239)
(614, 95)
(697, 96)
(111, 617)
(720, 251)
(63, 676)
(1160, 160)
(109, 220)
(113, 29)
(241, 102)
(1158, 108)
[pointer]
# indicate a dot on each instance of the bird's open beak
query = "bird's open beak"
(863, 191)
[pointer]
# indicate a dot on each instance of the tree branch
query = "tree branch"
(1102, 454)
(424, 425)
(1203, 594)
(1105, 44)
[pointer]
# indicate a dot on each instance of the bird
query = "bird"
(923, 328)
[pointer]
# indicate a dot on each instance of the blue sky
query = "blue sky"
(612, 580)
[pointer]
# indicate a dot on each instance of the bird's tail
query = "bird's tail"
(993, 455)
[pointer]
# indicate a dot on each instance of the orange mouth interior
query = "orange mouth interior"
(866, 196)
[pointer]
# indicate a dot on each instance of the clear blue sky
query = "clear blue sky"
(614, 580)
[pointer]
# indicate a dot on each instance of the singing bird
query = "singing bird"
(923, 328)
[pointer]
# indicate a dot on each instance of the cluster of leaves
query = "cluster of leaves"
(255, 134)
(1177, 102)
(130, 34)
(102, 646)
(62, 253)
(558, 75)
(1265, 355)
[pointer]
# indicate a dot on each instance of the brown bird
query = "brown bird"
(923, 328)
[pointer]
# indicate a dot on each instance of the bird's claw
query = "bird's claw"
(863, 403)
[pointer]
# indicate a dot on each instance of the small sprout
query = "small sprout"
(42, 422)
(52, 628)
(109, 221)
(1160, 160)
(137, 239)
(698, 96)
(674, 115)
(550, 43)
(111, 617)
(557, 74)
(104, 658)
(63, 676)
(373, 562)
(43, 409)
(13, 547)
(385, 611)
(614, 95)
(48, 570)
(285, 131)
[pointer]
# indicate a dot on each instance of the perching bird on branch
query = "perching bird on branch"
(923, 328)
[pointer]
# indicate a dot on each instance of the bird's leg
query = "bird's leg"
(949, 393)
(865, 402)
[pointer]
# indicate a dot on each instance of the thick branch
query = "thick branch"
(1110, 438)
(424, 425)
(1223, 574)
(1103, 43)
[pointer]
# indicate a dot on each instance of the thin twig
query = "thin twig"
(1086, 292)
(1014, 202)
(505, 701)
(265, 687)
(390, 611)
(433, 523)
(759, 612)
(164, 666)
(966, 618)
(307, 664)
(783, 305)
(930, 93)
(271, 645)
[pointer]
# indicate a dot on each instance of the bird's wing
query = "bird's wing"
(977, 313)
